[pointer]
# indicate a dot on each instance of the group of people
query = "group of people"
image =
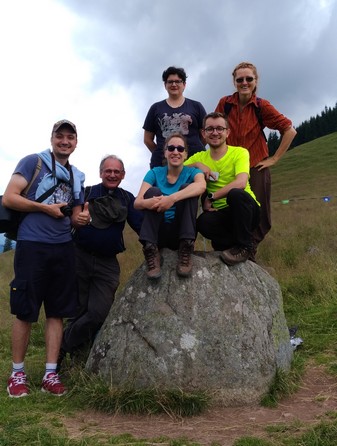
(67, 244)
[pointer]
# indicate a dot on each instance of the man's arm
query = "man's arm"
(149, 140)
(205, 169)
(240, 182)
(13, 199)
(81, 215)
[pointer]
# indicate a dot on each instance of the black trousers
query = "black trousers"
(232, 225)
(98, 280)
(168, 235)
(260, 182)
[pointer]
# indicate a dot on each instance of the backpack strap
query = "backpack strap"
(228, 107)
(259, 117)
(24, 193)
(87, 192)
(47, 193)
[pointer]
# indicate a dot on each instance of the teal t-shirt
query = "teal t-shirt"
(158, 177)
(235, 161)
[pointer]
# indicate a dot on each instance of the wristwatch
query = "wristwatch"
(211, 198)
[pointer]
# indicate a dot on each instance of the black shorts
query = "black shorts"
(44, 273)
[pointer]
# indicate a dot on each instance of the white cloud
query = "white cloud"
(43, 79)
(99, 64)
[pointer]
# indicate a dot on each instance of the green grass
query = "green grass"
(301, 249)
(98, 395)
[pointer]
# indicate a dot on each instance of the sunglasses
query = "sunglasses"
(239, 80)
(180, 149)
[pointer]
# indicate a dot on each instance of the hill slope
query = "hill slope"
(307, 171)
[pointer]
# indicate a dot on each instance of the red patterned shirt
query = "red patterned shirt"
(245, 130)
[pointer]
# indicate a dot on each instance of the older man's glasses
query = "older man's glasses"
(248, 79)
(218, 129)
(113, 171)
(180, 149)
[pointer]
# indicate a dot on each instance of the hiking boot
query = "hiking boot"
(17, 385)
(52, 384)
(152, 258)
(184, 266)
(235, 255)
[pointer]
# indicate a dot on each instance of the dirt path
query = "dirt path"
(317, 395)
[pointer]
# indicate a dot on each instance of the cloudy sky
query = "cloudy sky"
(99, 64)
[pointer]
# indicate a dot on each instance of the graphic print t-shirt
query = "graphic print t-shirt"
(162, 120)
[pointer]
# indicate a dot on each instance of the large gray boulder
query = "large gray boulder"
(222, 330)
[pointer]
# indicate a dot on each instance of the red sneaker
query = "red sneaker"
(17, 385)
(52, 384)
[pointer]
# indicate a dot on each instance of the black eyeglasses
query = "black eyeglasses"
(112, 171)
(219, 129)
(171, 82)
(239, 80)
(180, 149)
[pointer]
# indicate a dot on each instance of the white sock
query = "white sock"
(50, 368)
(18, 367)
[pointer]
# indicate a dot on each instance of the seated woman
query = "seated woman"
(169, 198)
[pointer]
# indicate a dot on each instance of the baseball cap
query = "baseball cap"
(59, 124)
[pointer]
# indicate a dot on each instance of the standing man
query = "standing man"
(231, 211)
(44, 262)
(176, 114)
(97, 246)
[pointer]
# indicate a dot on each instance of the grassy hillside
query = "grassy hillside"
(301, 248)
(309, 170)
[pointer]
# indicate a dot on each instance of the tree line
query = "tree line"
(315, 127)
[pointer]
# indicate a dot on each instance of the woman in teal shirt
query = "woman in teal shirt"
(169, 198)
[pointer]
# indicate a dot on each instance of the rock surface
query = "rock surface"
(222, 330)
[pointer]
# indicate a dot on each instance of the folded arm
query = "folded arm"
(13, 199)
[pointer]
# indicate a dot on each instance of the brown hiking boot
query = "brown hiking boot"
(184, 266)
(235, 255)
(152, 258)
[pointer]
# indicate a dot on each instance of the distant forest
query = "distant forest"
(317, 126)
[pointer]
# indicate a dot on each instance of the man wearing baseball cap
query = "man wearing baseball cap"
(44, 262)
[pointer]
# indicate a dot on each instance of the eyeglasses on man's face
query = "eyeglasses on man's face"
(248, 79)
(112, 171)
(176, 81)
(218, 129)
(172, 148)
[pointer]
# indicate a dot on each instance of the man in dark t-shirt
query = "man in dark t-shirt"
(172, 115)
